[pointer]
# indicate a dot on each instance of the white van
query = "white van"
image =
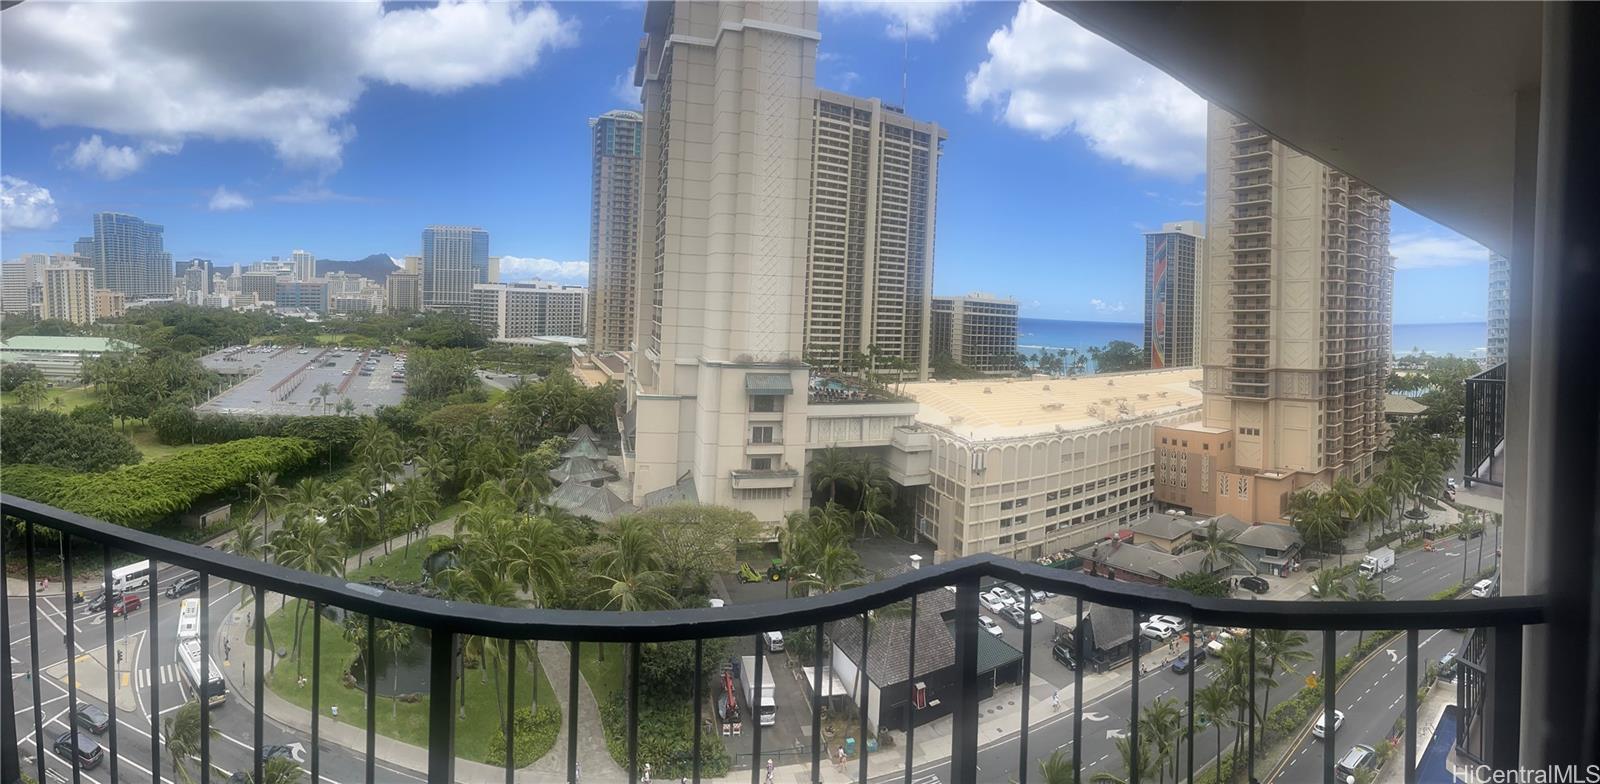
(1484, 588)
(774, 641)
(133, 577)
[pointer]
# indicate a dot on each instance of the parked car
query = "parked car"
(1358, 758)
(91, 717)
(1447, 666)
(1035, 617)
(126, 603)
(277, 750)
(1181, 664)
(186, 584)
(1039, 595)
(1015, 615)
(995, 602)
(1161, 627)
(1062, 652)
(1485, 588)
(75, 741)
(989, 625)
(1321, 730)
(1254, 584)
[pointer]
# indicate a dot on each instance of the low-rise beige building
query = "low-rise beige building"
(110, 304)
(1030, 468)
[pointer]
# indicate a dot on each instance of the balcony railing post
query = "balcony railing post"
(1411, 707)
(372, 699)
(33, 662)
(316, 691)
(155, 680)
(1505, 697)
(1133, 723)
(755, 713)
(572, 714)
(633, 712)
(1077, 693)
(699, 704)
(1330, 678)
(911, 682)
(258, 617)
(865, 695)
(205, 678)
(112, 660)
(964, 715)
(10, 760)
(1027, 683)
(441, 707)
(1250, 750)
(816, 704)
(511, 709)
(72, 652)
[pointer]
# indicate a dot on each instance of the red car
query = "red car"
(126, 603)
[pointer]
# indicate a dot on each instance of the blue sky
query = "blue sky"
(344, 129)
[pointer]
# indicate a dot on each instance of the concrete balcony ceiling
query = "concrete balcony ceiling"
(1425, 113)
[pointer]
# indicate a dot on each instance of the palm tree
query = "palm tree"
(874, 502)
(1213, 704)
(309, 546)
(1318, 522)
(324, 390)
(1149, 767)
(346, 407)
(481, 582)
(1161, 721)
(392, 637)
(1367, 590)
(838, 566)
(833, 467)
(627, 576)
(416, 503)
(265, 494)
(1284, 650)
(181, 731)
(1220, 549)
(279, 770)
(1327, 584)
(1058, 768)
(539, 564)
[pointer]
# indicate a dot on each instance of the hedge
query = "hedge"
(666, 737)
(138, 496)
(533, 735)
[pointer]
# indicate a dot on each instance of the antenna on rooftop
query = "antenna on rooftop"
(905, 59)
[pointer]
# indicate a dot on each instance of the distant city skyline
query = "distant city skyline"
(1036, 199)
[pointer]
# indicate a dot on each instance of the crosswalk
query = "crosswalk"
(169, 673)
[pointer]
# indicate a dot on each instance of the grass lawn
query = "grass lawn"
(144, 439)
(407, 722)
(71, 398)
(397, 565)
(605, 677)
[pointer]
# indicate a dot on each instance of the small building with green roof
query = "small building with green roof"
(59, 358)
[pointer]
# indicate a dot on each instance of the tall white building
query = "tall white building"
(1499, 314)
(729, 93)
(305, 265)
(874, 188)
(616, 143)
(529, 310)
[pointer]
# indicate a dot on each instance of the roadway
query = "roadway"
(232, 747)
(1416, 575)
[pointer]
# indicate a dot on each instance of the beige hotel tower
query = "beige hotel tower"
(1297, 282)
(717, 390)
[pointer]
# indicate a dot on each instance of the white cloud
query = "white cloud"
(1101, 306)
(916, 18)
(623, 90)
(309, 193)
(518, 268)
(24, 205)
(113, 162)
(284, 74)
(224, 200)
(1419, 250)
(1046, 75)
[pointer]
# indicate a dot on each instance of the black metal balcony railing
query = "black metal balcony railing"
(448, 622)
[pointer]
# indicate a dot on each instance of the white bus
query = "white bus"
(216, 688)
(133, 577)
(189, 620)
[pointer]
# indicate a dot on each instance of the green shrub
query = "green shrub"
(532, 736)
(666, 736)
(139, 496)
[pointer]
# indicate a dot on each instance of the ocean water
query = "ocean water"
(1464, 339)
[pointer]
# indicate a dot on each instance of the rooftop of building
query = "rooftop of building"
(1008, 408)
(1201, 427)
(65, 344)
(1402, 405)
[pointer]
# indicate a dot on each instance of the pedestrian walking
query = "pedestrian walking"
(646, 778)
(1055, 701)
(770, 768)
(227, 649)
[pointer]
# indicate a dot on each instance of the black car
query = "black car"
(91, 717)
(1181, 664)
(275, 750)
(1254, 584)
(1062, 652)
(185, 584)
(88, 749)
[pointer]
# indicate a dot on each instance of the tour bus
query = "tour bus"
(189, 620)
(133, 577)
(216, 688)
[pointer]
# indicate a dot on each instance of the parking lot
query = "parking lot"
(285, 380)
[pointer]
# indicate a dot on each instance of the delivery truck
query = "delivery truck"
(763, 702)
(1377, 562)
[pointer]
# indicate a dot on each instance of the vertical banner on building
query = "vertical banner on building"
(1158, 296)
